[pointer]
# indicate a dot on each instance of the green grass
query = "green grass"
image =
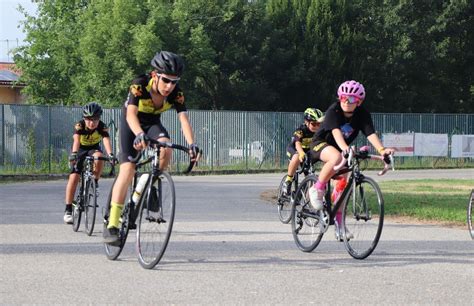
(430, 200)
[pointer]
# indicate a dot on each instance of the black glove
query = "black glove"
(141, 137)
(112, 159)
(194, 150)
(73, 157)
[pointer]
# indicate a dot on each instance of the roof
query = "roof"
(9, 78)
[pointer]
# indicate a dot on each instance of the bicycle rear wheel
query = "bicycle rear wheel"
(469, 214)
(156, 219)
(363, 216)
(284, 202)
(307, 226)
(90, 206)
(77, 209)
(112, 251)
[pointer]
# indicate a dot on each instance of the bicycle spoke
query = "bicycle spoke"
(284, 202)
(156, 221)
(363, 219)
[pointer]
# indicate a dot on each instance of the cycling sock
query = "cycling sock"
(319, 185)
(68, 208)
(289, 178)
(115, 212)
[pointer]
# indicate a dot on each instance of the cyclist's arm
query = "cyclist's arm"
(300, 150)
(107, 145)
(132, 119)
(375, 141)
(339, 138)
(186, 126)
(76, 143)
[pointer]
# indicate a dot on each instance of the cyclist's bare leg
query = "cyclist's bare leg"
(124, 178)
(331, 157)
(293, 165)
(165, 155)
(98, 165)
(71, 187)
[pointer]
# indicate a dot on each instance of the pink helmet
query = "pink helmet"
(351, 88)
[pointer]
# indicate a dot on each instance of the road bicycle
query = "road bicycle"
(362, 207)
(86, 196)
(469, 214)
(285, 200)
(152, 215)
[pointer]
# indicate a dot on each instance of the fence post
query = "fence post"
(50, 145)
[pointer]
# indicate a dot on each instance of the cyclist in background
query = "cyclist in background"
(149, 96)
(301, 141)
(88, 133)
(343, 121)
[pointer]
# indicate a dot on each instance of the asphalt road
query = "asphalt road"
(227, 247)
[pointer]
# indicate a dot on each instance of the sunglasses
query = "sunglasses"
(350, 99)
(314, 123)
(95, 119)
(168, 80)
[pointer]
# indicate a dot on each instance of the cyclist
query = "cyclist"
(88, 133)
(343, 121)
(300, 142)
(149, 96)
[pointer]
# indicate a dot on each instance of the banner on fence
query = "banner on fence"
(402, 143)
(462, 146)
(431, 144)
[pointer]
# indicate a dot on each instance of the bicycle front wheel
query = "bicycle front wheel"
(77, 209)
(362, 216)
(156, 219)
(469, 214)
(284, 201)
(307, 226)
(90, 206)
(112, 251)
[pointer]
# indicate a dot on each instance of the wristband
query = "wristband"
(380, 150)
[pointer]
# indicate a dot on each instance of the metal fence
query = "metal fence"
(40, 137)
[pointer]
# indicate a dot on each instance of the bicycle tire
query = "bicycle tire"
(284, 202)
(77, 209)
(363, 217)
(156, 219)
(90, 206)
(469, 214)
(113, 251)
(307, 227)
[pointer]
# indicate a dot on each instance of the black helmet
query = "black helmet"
(92, 109)
(168, 63)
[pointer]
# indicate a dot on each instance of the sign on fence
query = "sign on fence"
(431, 144)
(462, 146)
(402, 143)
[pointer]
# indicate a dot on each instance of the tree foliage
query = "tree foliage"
(411, 55)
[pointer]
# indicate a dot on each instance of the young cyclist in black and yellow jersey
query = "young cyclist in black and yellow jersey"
(149, 96)
(300, 142)
(88, 133)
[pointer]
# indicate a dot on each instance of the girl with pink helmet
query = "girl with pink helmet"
(343, 121)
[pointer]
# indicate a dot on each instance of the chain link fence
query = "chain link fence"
(38, 139)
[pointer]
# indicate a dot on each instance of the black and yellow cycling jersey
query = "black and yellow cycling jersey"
(90, 139)
(302, 134)
(139, 95)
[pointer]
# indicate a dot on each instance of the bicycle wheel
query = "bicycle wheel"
(362, 217)
(469, 214)
(112, 251)
(307, 226)
(77, 209)
(156, 219)
(284, 202)
(90, 206)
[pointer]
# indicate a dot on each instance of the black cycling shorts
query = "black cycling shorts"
(81, 155)
(155, 131)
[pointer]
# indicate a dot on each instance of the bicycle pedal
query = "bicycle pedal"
(132, 226)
